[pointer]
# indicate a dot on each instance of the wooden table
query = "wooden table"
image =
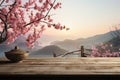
(62, 66)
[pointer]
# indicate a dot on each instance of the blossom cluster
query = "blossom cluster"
(104, 50)
(19, 17)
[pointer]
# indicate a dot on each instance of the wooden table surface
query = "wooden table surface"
(61, 66)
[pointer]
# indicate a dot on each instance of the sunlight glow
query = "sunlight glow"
(86, 18)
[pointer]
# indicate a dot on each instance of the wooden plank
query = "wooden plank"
(61, 66)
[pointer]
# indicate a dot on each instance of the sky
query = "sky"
(85, 18)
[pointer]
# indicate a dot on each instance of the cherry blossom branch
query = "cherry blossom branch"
(50, 9)
(24, 17)
(42, 17)
(11, 8)
(3, 32)
(2, 2)
(2, 14)
(3, 35)
(47, 22)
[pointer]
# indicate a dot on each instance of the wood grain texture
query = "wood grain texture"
(62, 66)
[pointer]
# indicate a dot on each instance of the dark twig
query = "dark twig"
(2, 2)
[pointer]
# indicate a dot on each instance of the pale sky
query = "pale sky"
(85, 18)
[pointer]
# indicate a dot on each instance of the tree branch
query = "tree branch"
(42, 17)
(2, 14)
(50, 8)
(2, 19)
(2, 2)
(3, 34)
(47, 22)
(12, 7)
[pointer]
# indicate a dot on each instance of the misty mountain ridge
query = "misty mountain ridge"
(48, 51)
(71, 45)
(66, 45)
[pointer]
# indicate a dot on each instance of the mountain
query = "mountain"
(20, 42)
(115, 42)
(48, 51)
(71, 45)
(68, 44)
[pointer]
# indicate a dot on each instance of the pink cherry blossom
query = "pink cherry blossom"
(21, 17)
(57, 26)
(40, 1)
(103, 51)
(57, 5)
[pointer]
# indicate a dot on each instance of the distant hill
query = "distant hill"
(21, 42)
(61, 46)
(87, 42)
(48, 51)
(115, 44)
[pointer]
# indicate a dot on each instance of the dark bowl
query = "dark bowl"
(16, 57)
